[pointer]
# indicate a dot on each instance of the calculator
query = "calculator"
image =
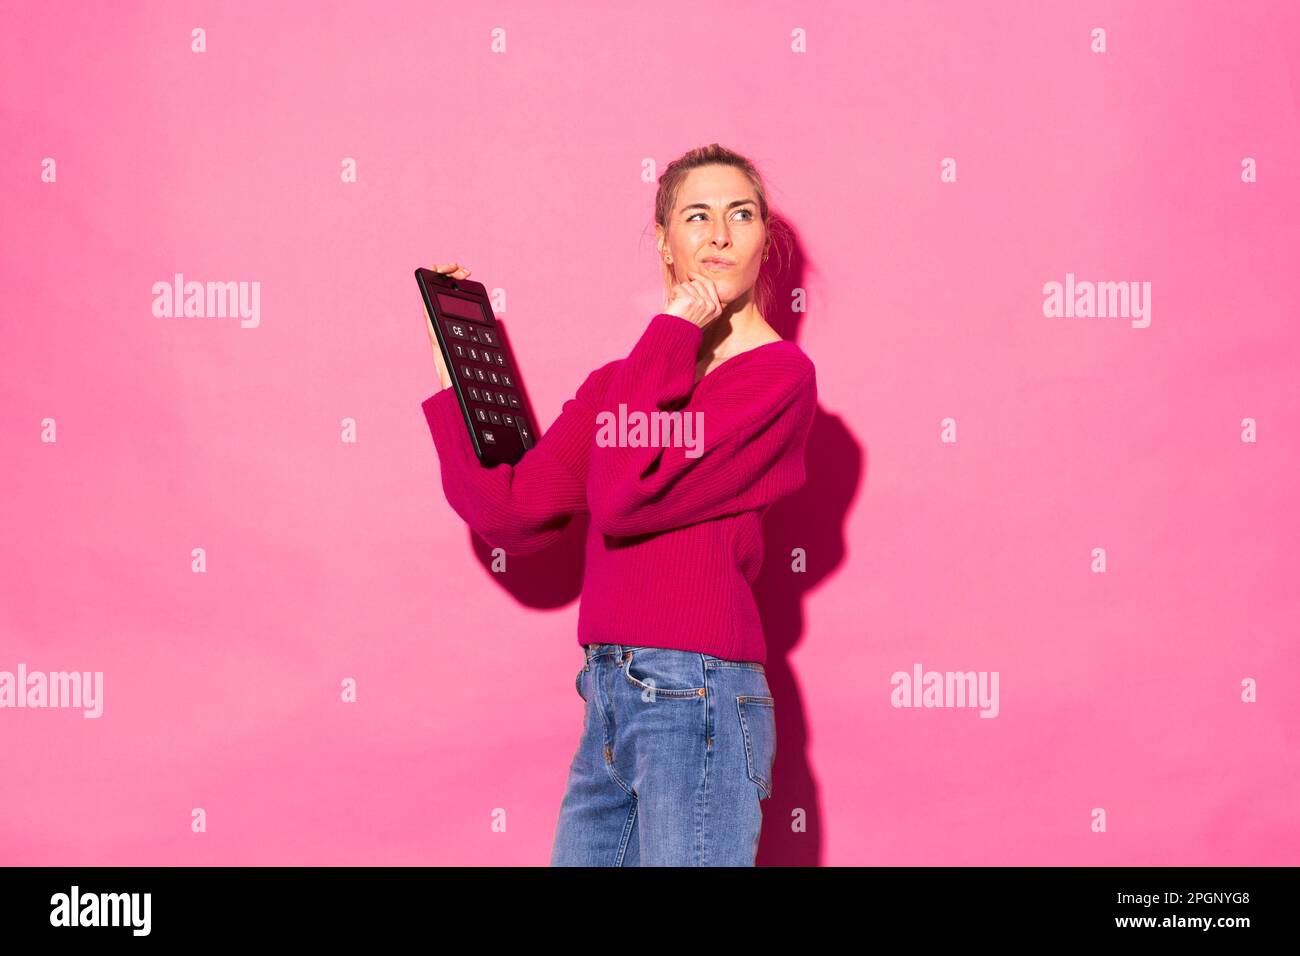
(483, 372)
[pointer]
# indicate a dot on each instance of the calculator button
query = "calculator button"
(507, 420)
(458, 330)
(488, 338)
(514, 401)
(474, 394)
(506, 380)
(525, 434)
(482, 415)
(473, 334)
(500, 358)
(496, 379)
(479, 372)
(473, 353)
(501, 399)
(488, 437)
(496, 419)
(460, 349)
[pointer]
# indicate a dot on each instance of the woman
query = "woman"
(679, 734)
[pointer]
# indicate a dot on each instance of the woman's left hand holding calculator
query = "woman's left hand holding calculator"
(456, 271)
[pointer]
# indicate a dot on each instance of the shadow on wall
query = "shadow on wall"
(812, 519)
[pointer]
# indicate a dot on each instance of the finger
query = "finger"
(710, 291)
(717, 299)
(694, 291)
(711, 288)
(707, 292)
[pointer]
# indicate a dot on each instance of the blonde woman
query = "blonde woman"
(679, 731)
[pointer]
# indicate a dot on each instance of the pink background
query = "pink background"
(329, 560)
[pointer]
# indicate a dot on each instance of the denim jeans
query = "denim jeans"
(675, 758)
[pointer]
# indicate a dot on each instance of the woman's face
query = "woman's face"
(716, 217)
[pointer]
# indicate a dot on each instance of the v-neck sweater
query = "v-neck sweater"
(675, 539)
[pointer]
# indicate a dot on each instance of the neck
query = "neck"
(740, 321)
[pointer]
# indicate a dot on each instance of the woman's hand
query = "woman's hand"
(696, 300)
(456, 271)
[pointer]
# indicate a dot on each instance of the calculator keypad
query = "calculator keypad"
(481, 362)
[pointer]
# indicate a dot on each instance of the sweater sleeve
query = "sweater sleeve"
(751, 437)
(523, 507)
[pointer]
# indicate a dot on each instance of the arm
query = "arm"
(526, 506)
(755, 430)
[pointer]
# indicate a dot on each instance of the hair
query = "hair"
(670, 183)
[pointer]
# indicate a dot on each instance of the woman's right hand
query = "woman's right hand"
(695, 300)
(456, 271)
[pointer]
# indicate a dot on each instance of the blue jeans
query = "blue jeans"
(676, 755)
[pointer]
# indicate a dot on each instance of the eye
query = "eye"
(747, 212)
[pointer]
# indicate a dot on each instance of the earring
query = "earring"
(668, 258)
(765, 257)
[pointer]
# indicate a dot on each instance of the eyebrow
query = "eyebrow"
(704, 205)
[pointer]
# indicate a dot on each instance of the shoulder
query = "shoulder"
(770, 381)
(794, 379)
(781, 381)
(786, 368)
(790, 357)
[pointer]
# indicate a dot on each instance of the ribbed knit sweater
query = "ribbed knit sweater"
(675, 541)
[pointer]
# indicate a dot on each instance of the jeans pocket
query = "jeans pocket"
(662, 672)
(758, 727)
(577, 681)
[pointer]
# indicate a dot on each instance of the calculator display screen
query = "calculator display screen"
(460, 308)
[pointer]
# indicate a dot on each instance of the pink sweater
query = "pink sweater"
(675, 540)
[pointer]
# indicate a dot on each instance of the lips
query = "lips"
(719, 263)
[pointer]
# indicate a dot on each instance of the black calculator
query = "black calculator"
(482, 370)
